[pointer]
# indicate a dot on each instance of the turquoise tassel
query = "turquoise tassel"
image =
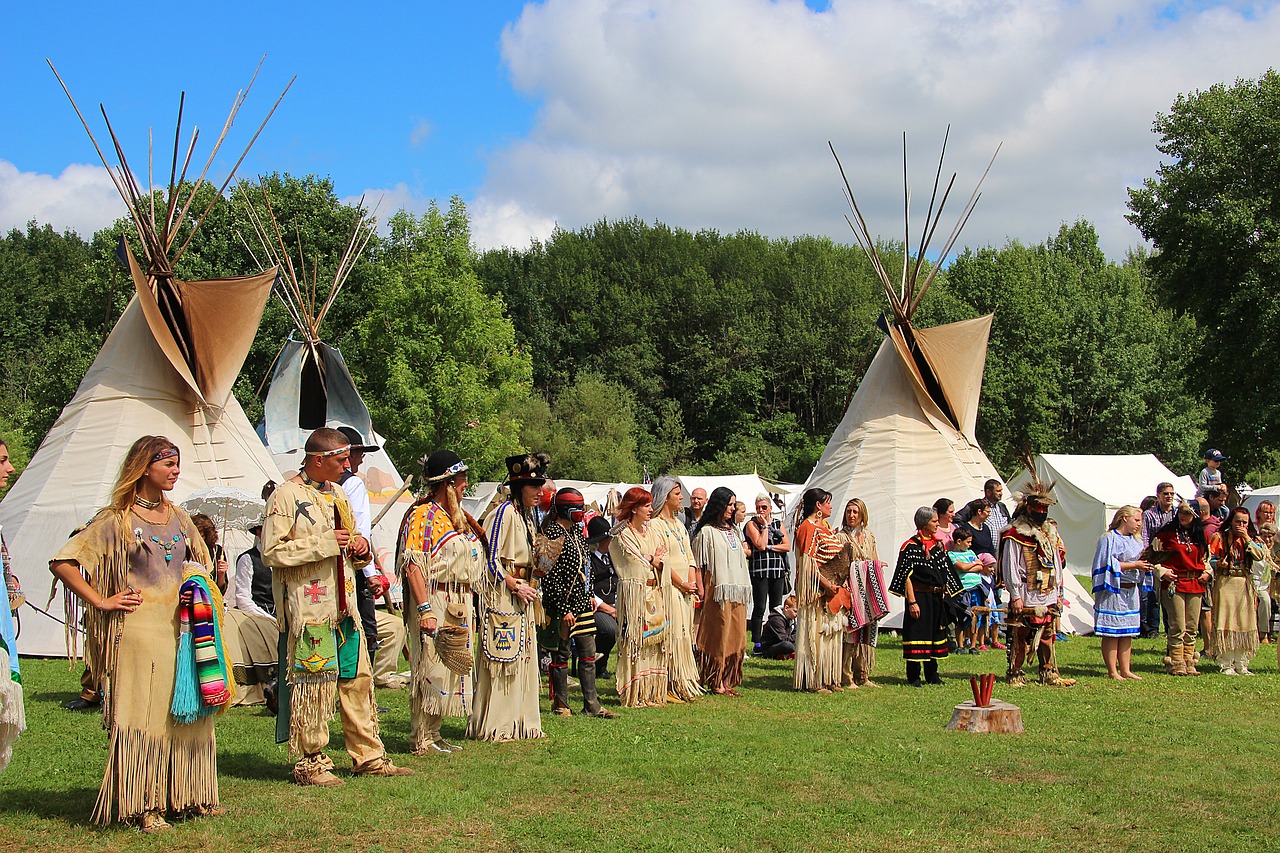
(186, 690)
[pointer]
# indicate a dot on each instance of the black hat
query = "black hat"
(443, 465)
(1215, 454)
(527, 469)
(357, 441)
(597, 529)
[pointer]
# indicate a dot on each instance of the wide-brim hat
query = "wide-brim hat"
(528, 469)
(443, 465)
(597, 529)
(357, 441)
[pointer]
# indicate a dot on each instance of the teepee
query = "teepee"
(908, 436)
(167, 368)
(311, 386)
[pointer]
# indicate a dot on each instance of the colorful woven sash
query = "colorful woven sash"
(201, 685)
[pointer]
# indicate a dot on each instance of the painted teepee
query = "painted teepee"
(167, 368)
(311, 386)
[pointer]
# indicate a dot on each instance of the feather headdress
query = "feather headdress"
(1035, 491)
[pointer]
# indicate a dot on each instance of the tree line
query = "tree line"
(629, 346)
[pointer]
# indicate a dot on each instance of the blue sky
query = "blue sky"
(386, 92)
(714, 114)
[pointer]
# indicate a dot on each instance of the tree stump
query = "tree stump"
(999, 717)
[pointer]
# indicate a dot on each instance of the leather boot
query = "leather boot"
(558, 675)
(587, 678)
(1189, 659)
(1176, 662)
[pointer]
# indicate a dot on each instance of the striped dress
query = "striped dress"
(1116, 606)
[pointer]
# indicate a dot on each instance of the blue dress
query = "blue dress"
(1116, 608)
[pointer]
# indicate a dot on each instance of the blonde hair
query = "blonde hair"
(1122, 513)
(863, 518)
(134, 468)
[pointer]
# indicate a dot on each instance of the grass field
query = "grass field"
(1162, 764)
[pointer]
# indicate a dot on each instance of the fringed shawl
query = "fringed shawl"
(720, 554)
(816, 544)
(431, 541)
(630, 552)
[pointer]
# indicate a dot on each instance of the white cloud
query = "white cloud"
(389, 200)
(82, 199)
(492, 225)
(717, 113)
(421, 132)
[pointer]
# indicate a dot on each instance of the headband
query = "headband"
(165, 454)
(324, 453)
(456, 468)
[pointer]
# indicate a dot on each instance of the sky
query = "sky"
(713, 114)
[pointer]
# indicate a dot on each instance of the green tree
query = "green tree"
(1082, 359)
(434, 356)
(589, 430)
(1212, 212)
(60, 312)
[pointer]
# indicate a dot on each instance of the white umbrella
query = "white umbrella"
(227, 505)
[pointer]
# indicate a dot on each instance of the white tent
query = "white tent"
(745, 488)
(167, 368)
(1257, 496)
(908, 436)
(1091, 488)
(139, 385)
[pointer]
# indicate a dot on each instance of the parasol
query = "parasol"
(226, 505)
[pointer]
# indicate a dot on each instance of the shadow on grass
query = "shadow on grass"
(60, 697)
(73, 805)
(252, 765)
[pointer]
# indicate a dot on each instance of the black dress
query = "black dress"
(932, 577)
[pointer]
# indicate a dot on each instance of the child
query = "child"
(1210, 477)
(970, 570)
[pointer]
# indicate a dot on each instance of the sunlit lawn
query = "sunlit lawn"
(1162, 764)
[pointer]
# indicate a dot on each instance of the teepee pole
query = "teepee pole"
(904, 291)
(930, 221)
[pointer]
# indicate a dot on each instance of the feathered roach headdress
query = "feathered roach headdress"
(1035, 490)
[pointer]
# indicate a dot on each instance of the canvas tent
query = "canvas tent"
(909, 434)
(745, 488)
(167, 368)
(1257, 496)
(1091, 488)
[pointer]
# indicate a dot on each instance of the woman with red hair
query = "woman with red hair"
(637, 553)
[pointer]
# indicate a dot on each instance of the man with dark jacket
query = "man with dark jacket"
(604, 592)
(778, 638)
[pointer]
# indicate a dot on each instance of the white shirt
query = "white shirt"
(241, 582)
(358, 497)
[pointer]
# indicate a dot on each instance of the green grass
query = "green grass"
(1161, 764)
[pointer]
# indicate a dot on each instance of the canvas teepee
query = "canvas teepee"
(908, 436)
(311, 386)
(167, 368)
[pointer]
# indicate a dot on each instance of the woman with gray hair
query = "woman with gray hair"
(682, 588)
(925, 578)
(767, 562)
